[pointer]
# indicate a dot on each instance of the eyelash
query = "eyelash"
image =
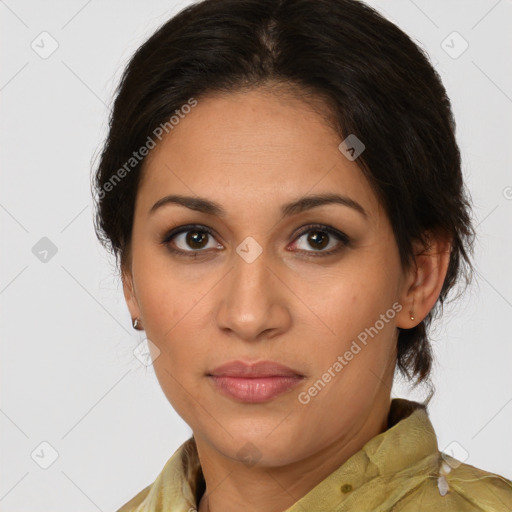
(344, 239)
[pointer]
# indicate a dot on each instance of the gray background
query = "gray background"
(68, 374)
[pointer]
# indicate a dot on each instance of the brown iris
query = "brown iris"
(195, 239)
(318, 238)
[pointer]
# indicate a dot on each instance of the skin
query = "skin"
(252, 152)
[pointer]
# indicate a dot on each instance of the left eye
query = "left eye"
(321, 239)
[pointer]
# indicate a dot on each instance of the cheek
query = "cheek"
(176, 380)
(357, 317)
(173, 308)
(347, 302)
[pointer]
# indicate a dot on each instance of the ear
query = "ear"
(129, 293)
(424, 280)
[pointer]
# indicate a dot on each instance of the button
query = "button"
(346, 488)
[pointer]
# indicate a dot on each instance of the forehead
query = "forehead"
(252, 146)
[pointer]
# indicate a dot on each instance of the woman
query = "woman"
(282, 188)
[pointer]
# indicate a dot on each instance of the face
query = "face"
(256, 280)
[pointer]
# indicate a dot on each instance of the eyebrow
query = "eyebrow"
(209, 207)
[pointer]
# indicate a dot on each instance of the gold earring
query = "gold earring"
(137, 324)
(411, 313)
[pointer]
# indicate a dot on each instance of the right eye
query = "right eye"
(189, 240)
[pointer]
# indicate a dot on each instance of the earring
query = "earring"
(137, 324)
(412, 315)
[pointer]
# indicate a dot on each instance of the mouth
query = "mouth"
(254, 383)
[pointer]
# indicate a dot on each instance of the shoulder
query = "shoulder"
(480, 489)
(460, 487)
(421, 477)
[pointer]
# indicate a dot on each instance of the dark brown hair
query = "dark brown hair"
(375, 81)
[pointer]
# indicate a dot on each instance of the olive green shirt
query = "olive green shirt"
(400, 469)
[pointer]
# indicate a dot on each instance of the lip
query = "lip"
(254, 390)
(254, 383)
(253, 370)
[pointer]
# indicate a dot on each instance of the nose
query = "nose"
(254, 302)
